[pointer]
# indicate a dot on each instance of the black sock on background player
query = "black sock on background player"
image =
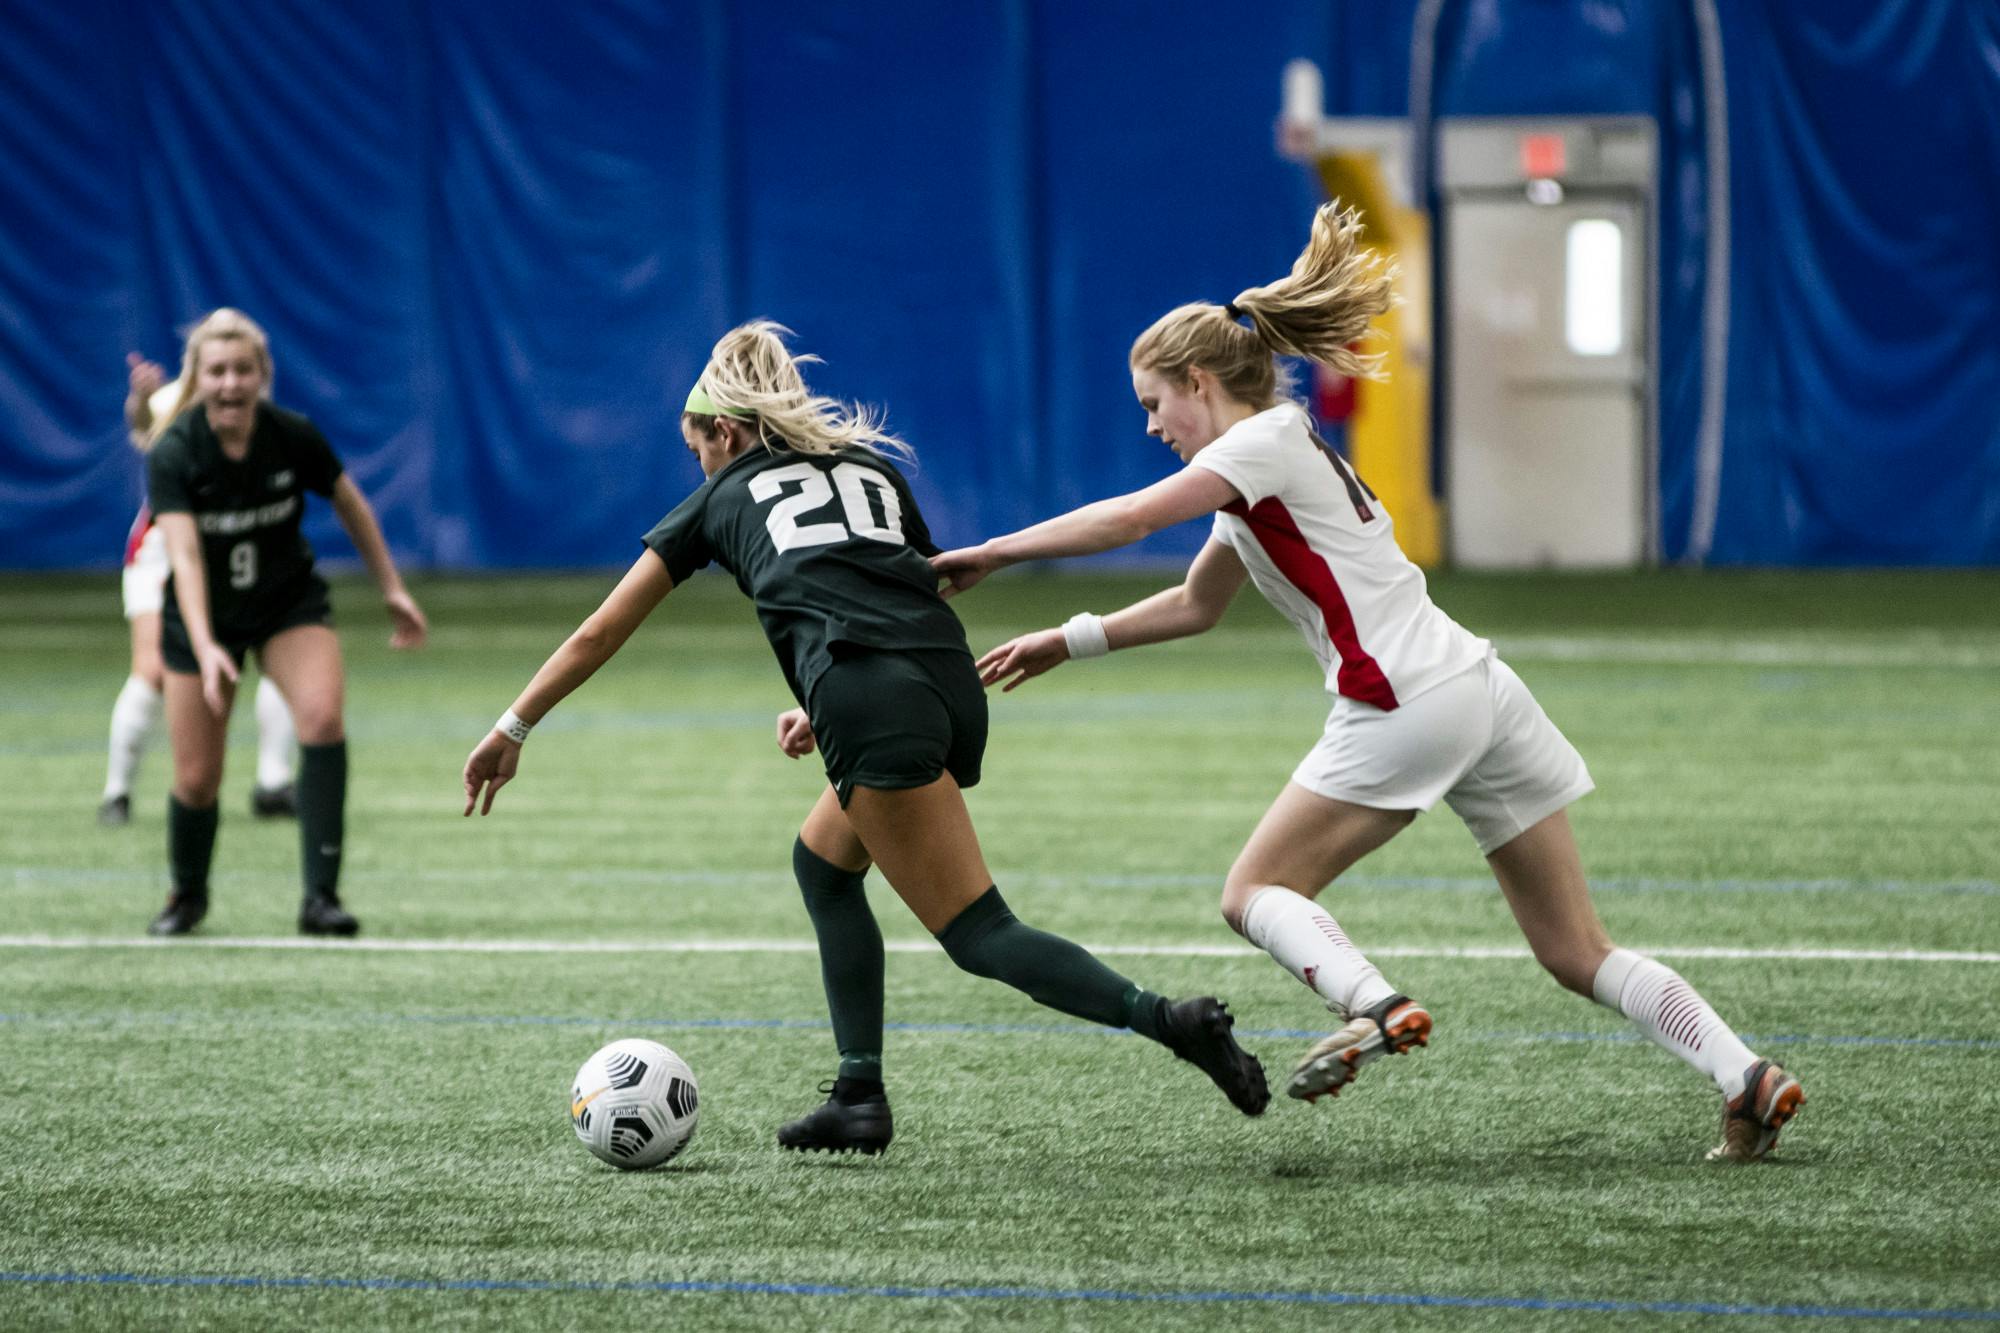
(322, 802)
(190, 849)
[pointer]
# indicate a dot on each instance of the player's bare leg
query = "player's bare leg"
(831, 866)
(1541, 874)
(1304, 842)
(198, 739)
(827, 833)
(923, 840)
(305, 663)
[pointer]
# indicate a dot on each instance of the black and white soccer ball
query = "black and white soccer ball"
(634, 1104)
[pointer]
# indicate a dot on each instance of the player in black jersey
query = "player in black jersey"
(227, 483)
(804, 508)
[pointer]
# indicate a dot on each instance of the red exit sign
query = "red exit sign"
(1543, 156)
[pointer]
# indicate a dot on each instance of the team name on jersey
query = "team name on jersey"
(231, 521)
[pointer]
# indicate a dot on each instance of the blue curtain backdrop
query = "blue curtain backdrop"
(492, 243)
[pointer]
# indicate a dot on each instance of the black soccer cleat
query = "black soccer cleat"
(116, 812)
(182, 913)
(322, 914)
(1197, 1030)
(274, 802)
(863, 1127)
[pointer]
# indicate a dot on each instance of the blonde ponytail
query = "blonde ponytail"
(751, 374)
(1336, 287)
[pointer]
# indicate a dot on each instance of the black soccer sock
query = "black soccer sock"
(1146, 1013)
(854, 1091)
(191, 846)
(322, 801)
(850, 959)
(987, 940)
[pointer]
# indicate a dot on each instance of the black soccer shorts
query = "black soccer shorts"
(893, 719)
(312, 606)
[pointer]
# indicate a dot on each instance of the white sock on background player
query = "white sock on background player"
(276, 740)
(1664, 1007)
(134, 719)
(1309, 943)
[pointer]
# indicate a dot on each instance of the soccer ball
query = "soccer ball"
(634, 1104)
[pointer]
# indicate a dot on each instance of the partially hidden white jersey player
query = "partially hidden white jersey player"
(1422, 709)
(151, 406)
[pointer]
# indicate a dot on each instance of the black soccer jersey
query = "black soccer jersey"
(831, 548)
(247, 510)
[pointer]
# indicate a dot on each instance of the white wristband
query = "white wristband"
(513, 728)
(1083, 634)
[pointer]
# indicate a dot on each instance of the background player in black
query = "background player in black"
(227, 483)
(822, 533)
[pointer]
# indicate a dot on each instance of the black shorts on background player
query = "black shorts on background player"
(312, 606)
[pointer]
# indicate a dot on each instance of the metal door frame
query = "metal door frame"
(1599, 160)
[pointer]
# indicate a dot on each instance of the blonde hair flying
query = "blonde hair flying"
(1324, 306)
(752, 374)
(215, 326)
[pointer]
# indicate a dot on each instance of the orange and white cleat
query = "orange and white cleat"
(1396, 1025)
(1751, 1122)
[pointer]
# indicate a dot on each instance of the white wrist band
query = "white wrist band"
(513, 728)
(1083, 634)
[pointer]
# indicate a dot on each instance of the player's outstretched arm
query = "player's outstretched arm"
(1192, 608)
(351, 507)
(495, 759)
(1104, 525)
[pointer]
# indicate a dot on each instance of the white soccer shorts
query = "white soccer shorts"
(146, 575)
(1478, 741)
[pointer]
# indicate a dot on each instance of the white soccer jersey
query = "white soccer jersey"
(1321, 548)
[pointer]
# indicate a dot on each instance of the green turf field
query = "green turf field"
(223, 1132)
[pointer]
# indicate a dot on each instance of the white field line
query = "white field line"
(753, 946)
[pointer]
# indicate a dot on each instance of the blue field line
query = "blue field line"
(31, 876)
(1547, 1304)
(171, 1019)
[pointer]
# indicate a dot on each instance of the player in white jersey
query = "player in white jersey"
(1423, 710)
(150, 407)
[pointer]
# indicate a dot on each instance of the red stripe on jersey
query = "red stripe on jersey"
(137, 536)
(1360, 676)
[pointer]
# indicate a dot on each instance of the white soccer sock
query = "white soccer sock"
(1310, 945)
(133, 720)
(275, 737)
(1664, 1007)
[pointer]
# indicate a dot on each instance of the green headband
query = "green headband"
(701, 404)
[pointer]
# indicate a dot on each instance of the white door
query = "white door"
(1547, 433)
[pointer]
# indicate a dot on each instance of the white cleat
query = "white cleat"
(1396, 1025)
(1750, 1124)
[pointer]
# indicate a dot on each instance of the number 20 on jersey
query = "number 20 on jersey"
(852, 480)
